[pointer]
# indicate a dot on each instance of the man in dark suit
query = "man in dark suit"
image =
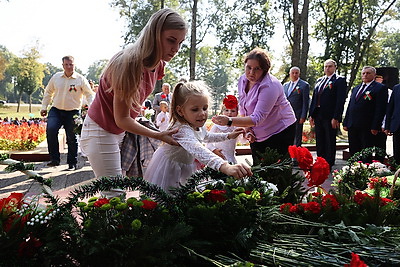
(165, 95)
(326, 110)
(365, 112)
(392, 123)
(297, 91)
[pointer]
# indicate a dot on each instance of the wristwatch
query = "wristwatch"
(229, 122)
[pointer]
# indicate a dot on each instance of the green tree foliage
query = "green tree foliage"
(243, 25)
(295, 19)
(95, 70)
(137, 13)
(29, 74)
(216, 70)
(389, 50)
(347, 28)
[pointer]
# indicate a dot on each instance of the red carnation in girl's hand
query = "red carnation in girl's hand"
(230, 102)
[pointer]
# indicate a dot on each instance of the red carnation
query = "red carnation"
(330, 201)
(230, 102)
(100, 202)
(216, 195)
(302, 155)
(319, 172)
(163, 96)
(312, 206)
(149, 204)
(355, 261)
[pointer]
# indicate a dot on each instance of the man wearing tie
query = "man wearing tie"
(165, 95)
(297, 91)
(365, 112)
(326, 110)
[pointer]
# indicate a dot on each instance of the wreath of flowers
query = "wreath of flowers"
(230, 102)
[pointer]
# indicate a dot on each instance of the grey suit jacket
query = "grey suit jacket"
(299, 98)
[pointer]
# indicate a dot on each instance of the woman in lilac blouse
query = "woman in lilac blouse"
(263, 108)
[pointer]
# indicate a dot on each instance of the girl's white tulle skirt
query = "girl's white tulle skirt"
(166, 172)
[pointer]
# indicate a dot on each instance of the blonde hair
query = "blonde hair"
(124, 70)
(182, 93)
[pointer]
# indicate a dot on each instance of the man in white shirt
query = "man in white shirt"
(66, 90)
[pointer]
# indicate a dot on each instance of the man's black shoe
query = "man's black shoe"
(71, 167)
(53, 164)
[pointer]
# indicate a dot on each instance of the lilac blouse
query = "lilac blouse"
(266, 105)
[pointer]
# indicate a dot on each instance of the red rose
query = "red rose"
(230, 102)
(149, 204)
(319, 172)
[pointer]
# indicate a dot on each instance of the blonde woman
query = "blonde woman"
(127, 81)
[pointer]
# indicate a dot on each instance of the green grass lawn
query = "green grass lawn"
(10, 111)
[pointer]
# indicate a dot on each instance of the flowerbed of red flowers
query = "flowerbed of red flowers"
(21, 137)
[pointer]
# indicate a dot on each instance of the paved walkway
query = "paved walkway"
(64, 181)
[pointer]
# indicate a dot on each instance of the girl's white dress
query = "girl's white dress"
(173, 165)
(162, 126)
(227, 146)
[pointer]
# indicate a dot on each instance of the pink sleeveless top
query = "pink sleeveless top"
(101, 110)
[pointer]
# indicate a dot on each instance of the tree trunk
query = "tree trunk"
(30, 103)
(192, 59)
(305, 45)
(296, 34)
(19, 100)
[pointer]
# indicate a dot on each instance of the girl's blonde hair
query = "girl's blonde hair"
(182, 92)
(124, 70)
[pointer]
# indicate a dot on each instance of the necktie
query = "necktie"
(322, 86)
(291, 86)
(361, 91)
(320, 90)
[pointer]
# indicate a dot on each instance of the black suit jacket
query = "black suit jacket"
(368, 111)
(299, 98)
(331, 100)
(392, 122)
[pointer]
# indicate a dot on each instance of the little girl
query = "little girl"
(226, 149)
(170, 165)
(162, 119)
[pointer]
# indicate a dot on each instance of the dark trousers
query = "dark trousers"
(280, 141)
(360, 138)
(396, 146)
(325, 137)
(298, 137)
(55, 120)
